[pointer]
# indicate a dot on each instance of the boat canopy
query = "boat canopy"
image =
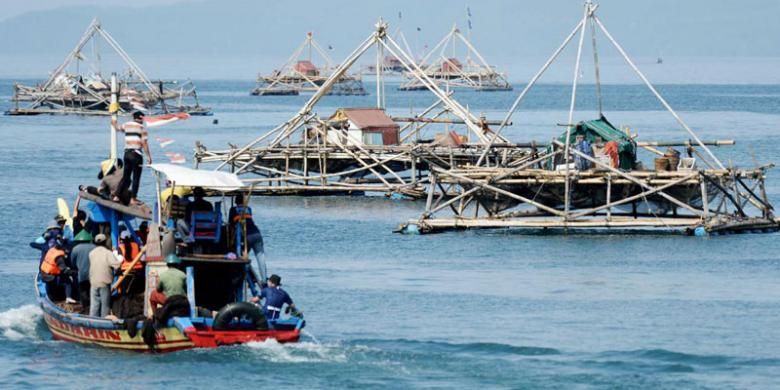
(188, 177)
(602, 128)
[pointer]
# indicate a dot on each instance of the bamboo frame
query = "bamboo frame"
(49, 98)
(575, 199)
(330, 160)
(477, 75)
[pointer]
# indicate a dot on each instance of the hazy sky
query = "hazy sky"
(700, 40)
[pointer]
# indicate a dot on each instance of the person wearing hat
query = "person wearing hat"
(54, 229)
(111, 173)
(136, 144)
(275, 298)
(102, 264)
(172, 281)
(79, 259)
(55, 271)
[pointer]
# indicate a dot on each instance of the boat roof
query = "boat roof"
(210, 180)
(367, 117)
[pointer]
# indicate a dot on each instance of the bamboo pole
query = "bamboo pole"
(129, 269)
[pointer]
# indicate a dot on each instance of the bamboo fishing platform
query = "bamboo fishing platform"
(77, 86)
(363, 149)
(442, 65)
(301, 74)
(592, 177)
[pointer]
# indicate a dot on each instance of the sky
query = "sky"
(699, 40)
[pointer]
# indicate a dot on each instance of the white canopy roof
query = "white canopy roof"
(188, 177)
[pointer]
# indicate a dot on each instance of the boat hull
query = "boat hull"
(179, 333)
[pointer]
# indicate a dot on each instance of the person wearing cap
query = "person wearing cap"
(79, 259)
(172, 281)
(129, 250)
(136, 144)
(275, 298)
(45, 242)
(102, 264)
(55, 271)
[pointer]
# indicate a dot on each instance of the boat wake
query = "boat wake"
(302, 352)
(20, 323)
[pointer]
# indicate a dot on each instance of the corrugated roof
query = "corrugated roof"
(367, 118)
(305, 66)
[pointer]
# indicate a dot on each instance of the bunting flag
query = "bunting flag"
(399, 15)
(164, 141)
(175, 158)
(468, 12)
(469, 24)
(159, 120)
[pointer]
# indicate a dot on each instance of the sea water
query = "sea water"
(463, 309)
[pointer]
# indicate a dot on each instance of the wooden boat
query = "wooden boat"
(218, 282)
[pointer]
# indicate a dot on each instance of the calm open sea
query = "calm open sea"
(465, 309)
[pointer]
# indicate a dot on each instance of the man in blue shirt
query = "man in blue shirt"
(275, 298)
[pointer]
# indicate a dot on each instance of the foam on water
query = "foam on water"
(302, 352)
(20, 323)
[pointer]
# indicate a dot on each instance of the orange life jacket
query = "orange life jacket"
(242, 214)
(134, 250)
(49, 265)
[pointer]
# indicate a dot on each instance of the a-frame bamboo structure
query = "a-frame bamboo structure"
(442, 65)
(302, 73)
(69, 91)
(565, 187)
(310, 154)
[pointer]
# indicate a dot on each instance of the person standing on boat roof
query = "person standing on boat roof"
(239, 215)
(275, 298)
(102, 264)
(136, 144)
(79, 258)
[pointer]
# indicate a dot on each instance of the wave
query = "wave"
(476, 348)
(20, 323)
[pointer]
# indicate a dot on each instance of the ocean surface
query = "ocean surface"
(474, 309)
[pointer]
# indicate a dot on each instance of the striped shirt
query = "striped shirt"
(135, 135)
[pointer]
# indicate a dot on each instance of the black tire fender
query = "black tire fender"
(241, 311)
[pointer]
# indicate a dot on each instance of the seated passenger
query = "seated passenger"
(172, 281)
(197, 204)
(242, 214)
(275, 298)
(110, 176)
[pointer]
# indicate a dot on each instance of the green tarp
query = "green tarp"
(601, 127)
